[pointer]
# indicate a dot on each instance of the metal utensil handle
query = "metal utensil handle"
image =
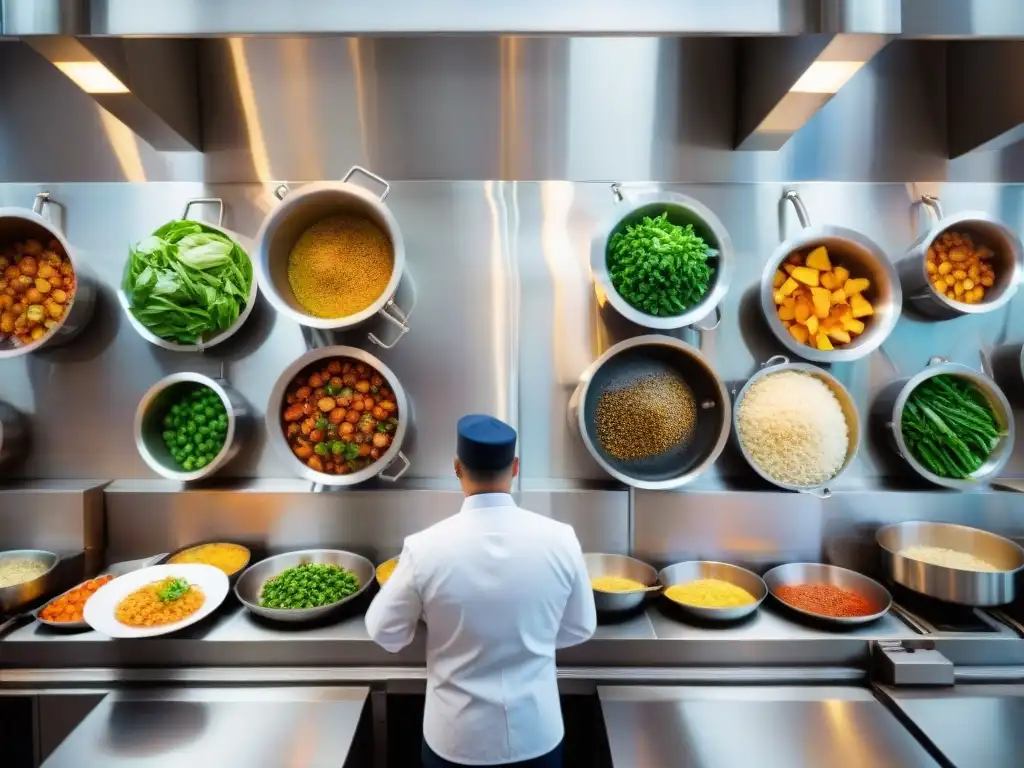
(370, 174)
(399, 473)
(801, 210)
(932, 205)
(718, 321)
(206, 201)
(393, 313)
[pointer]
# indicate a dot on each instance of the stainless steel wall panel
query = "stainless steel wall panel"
(64, 516)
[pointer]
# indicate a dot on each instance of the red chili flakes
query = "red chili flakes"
(826, 600)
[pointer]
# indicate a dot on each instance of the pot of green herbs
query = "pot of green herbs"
(664, 263)
(188, 286)
(953, 426)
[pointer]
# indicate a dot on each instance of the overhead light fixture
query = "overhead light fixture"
(91, 76)
(826, 76)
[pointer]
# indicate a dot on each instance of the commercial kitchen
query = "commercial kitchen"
(501, 150)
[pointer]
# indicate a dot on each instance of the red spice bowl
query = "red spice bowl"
(828, 593)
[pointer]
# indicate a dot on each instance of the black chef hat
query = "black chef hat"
(485, 443)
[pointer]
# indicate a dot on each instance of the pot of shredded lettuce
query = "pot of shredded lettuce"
(188, 284)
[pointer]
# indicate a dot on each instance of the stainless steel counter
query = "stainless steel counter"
(770, 728)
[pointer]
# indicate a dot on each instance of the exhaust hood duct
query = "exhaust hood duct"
(149, 85)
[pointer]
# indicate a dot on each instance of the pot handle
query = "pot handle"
(392, 313)
(895, 443)
(392, 478)
(819, 493)
(801, 210)
(42, 199)
(933, 206)
(774, 360)
(370, 174)
(206, 201)
(718, 321)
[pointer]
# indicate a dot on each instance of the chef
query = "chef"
(500, 589)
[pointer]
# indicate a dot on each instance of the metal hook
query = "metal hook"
(801, 210)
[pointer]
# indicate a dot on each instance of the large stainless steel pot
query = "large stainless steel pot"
(153, 408)
(1007, 262)
(300, 209)
(227, 333)
(392, 457)
(681, 210)
(1000, 409)
(655, 353)
(977, 588)
(20, 224)
(864, 258)
(13, 433)
(778, 364)
(600, 564)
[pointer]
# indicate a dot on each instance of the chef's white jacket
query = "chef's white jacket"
(499, 588)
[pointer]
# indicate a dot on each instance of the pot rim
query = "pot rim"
(654, 339)
(723, 271)
(853, 442)
(811, 235)
(918, 251)
(81, 273)
(294, 198)
(273, 416)
(990, 389)
(224, 335)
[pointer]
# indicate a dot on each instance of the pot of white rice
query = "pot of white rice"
(797, 426)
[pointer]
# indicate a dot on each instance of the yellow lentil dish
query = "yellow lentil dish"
(340, 266)
(230, 558)
(709, 593)
(385, 569)
(615, 584)
(163, 602)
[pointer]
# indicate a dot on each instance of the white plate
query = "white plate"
(99, 611)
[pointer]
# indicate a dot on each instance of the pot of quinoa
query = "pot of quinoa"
(797, 426)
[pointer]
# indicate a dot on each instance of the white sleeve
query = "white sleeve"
(580, 617)
(392, 617)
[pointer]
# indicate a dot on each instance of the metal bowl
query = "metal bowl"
(13, 433)
(621, 364)
(392, 456)
(684, 573)
(157, 401)
(864, 258)
(976, 588)
(1007, 261)
(619, 565)
(220, 336)
(248, 587)
(17, 596)
(1000, 409)
(794, 574)
(681, 211)
(232, 577)
(300, 209)
(779, 364)
(21, 223)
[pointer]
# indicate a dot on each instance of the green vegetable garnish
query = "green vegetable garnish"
(949, 426)
(309, 585)
(659, 267)
(173, 589)
(187, 281)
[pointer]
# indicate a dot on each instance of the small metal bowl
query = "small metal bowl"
(154, 406)
(778, 364)
(248, 587)
(377, 570)
(619, 565)
(795, 574)
(975, 588)
(1001, 410)
(684, 573)
(17, 596)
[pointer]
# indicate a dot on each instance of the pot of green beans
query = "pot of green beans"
(953, 426)
(188, 426)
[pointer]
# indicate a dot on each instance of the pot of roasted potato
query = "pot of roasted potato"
(830, 294)
(340, 415)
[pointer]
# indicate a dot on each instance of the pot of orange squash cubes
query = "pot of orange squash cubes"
(829, 294)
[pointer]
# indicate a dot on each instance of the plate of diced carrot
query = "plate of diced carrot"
(66, 610)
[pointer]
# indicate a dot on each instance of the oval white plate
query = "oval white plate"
(99, 611)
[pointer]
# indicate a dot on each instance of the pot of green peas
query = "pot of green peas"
(188, 426)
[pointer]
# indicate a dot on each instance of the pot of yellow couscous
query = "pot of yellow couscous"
(331, 256)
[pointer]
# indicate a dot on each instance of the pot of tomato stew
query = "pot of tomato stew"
(338, 416)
